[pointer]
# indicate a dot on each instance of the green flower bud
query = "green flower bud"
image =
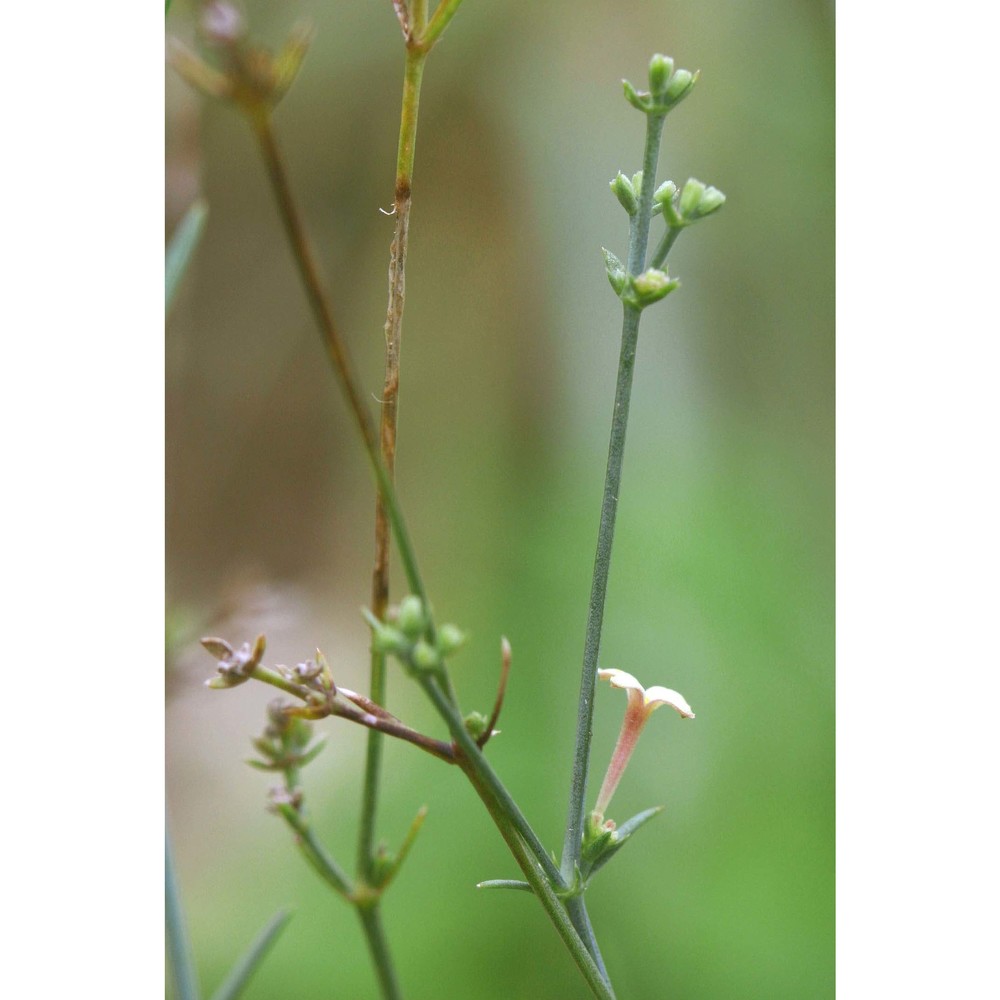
(385, 638)
(624, 191)
(651, 286)
(690, 197)
(660, 70)
(617, 274)
(680, 86)
(711, 201)
(637, 100)
(450, 638)
(665, 192)
(637, 182)
(425, 656)
(411, 618)
(475, 724)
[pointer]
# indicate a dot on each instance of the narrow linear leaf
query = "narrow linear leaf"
(179, 956)
(182, 246)
(622, 834)
(244, 969)
(504, 883)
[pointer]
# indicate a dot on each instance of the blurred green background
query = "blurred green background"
(722, 577)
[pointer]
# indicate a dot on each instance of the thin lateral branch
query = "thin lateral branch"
(336, 350)
(389, 727)
(441, 19)
(501, 690)
(309, 268)
(368, 705)
(314, 851)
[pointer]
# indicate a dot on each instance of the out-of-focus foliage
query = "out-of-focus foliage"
(721, 582)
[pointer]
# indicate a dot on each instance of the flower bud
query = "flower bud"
(475, 724)
(680, 86)
(616, 271)
(660, 70)
(450, 638)
(665, 192)
(385, 638)
(712, 200)
(651, 286)
(624, 191)
(690, 197)
(637, 100)
(410, 619)
(425, 656)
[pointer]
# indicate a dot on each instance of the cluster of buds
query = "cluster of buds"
(667, 87)
(252, 78)
(407, 635)
(235, 666)
(641, 290)
(284, 745)
(694, 202)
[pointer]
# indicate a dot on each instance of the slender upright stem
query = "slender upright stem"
(638, 239)
(179, 947)
(523, 842)
(387, 437)
(371, 924)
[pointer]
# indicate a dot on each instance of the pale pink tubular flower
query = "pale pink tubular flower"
(642, 702)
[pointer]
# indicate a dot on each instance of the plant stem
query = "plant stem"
(472, 761)
(315, 853)
(178, 944)
(412, 77)
(638, 239)
(514, 825)
(371, 924)
(592, 970)
(441, 19)
(335, 347)
(239, 976)
(669, 237)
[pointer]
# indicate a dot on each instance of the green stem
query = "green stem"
(332, 341)
(412, 78)
(445, 701)
(669, 237)
(441, 19)
(473, 761)
(239, 976)
(539, 881)
(315, 853)
(371, 923)
(576, 907)
(638, 239)
(178, 944)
